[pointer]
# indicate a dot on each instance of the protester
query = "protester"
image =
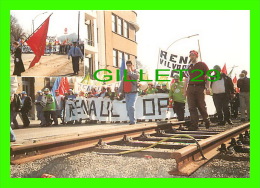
(244, 96)
(15, 107)
(151, 89)
(176, 94)
(223, 91)
(129, 88)
(158, 89)
(109, 92)
(59, 102)
(103, 92)
(235, 105)
(94, 91)
(195, 91)
(26, 107)
(18, 62)
(71, 95)
(39, 108)
(75, 53)
(49, 109)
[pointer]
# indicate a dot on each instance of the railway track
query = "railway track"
(190, 149)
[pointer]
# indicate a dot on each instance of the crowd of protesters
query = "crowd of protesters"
(50, 109)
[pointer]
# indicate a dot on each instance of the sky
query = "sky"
(59, 20)
(224, 35)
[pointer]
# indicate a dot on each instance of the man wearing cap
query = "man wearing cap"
(177, 95)
(26, 107)
(151, 89)
(59, 101)
(75, 53)
(39, 108)
(194, 89)
(223, 91)
(243, 84)
(50, 108)
(129, 88)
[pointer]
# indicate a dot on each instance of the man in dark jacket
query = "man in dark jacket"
(244, 97)
(18, 62)
(15, 107)
(223, 91)
(26, 107)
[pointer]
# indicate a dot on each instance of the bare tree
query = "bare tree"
(16, 30)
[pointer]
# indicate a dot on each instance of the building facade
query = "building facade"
(111, 35)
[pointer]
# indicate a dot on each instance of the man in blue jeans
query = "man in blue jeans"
(129, 88)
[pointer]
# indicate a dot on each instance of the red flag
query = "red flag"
(224, 69)
(37, 41)
(64, 86)
(235, 84)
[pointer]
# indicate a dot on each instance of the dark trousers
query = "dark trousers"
(75, 64)
(234, 109)
(26, 121)
(48, 115)
(196, 101)
(179, 109)
(13, 118)
(221, 102)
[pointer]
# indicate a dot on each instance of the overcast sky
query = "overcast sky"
(223, 35)
(59, 20)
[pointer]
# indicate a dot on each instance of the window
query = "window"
(126, 30)
(120, 57)
(127, 57)
(114, 23)
(89, 33)
(119, 26)
(115, 59)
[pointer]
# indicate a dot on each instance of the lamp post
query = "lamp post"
(181, 39)
(35, 18)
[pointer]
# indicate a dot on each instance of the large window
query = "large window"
(118, 56)
(114, 23)
(119, 26)
(89, 36)
(126, 30)
(127, 57)
(115, 59)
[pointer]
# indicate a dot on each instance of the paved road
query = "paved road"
(49, 65)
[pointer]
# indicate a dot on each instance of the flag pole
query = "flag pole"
(38, 27)
(78, 26)
(199, 50)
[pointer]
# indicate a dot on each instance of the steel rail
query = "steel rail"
(188, 159)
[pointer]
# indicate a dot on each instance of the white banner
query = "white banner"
(169, 60)
(152, 106)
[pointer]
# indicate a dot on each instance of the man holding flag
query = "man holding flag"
(129, 88)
